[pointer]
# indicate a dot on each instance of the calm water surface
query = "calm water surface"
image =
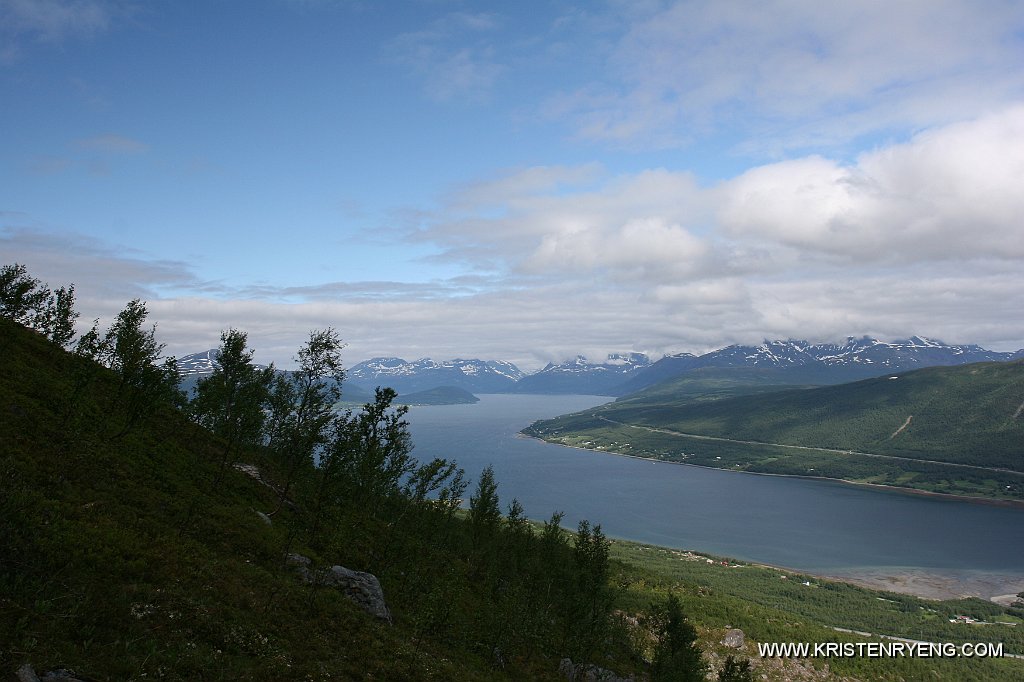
(814, 526)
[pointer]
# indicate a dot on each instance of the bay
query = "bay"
(819, 527)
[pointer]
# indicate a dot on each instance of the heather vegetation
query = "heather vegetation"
(146, 536)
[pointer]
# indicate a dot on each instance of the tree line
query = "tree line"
(348, 490)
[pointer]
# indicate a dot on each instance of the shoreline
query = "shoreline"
(971, 499)
(924, 583)
(929, 584)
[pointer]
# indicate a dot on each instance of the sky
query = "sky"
(520, 181)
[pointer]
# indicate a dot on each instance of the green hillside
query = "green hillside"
(132, 553)
(714, 383)
(128, 551)
(970, 416)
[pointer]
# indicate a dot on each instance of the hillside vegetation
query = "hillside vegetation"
(920, 422)
(134, 553)
(145, 538)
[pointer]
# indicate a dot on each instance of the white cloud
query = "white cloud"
(574, 220)
(788, 74)
(950, 193)
(923, 237)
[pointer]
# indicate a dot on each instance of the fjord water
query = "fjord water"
(808, 525)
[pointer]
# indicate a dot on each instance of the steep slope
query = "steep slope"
(128, 557)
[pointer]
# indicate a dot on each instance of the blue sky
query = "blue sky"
(521, 181)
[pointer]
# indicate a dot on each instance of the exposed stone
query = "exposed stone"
(361, 588)
(734, 638)
(27, 673)
(264, 518)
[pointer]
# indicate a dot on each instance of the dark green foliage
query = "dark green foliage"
(133, 353)
(372, 449)
(122, 562)
(26, 300)
(677, 655)
(302, 404)
(734, 670)
(56, 319)
(230, 402)
(484, 512)
(21, 295)
(593, 597)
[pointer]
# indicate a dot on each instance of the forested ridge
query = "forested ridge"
(149, 535)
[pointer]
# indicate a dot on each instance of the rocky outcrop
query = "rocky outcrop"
(734, 638)
(361, 588)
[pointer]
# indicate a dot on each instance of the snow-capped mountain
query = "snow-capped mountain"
(582, 376)
(914, 352)
(789, 361)
(822, 363)
(198, 363)
(477, 376)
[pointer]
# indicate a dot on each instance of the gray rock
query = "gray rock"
(734, 638)
(27, 673)
(362, 588)
(566, 669)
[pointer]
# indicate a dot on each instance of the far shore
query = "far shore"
(973, 499)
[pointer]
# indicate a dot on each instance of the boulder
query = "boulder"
(734, 638)
(361, 588)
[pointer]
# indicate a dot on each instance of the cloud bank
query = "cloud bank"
(918, 237)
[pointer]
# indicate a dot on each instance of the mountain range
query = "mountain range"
(802, 363)
(778, 362)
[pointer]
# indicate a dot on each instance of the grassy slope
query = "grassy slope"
(121, 561)
(958, 414)
(770, 608)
